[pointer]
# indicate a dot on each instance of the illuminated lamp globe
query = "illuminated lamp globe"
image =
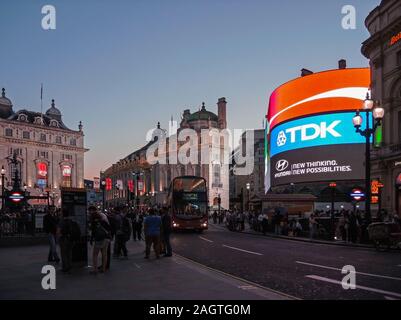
(368, 104)
(378, 113)
(357, 121)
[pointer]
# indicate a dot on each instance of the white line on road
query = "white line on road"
(206, 239)
(251, 252)
(361, 273)
(137, 266)
(389, 293)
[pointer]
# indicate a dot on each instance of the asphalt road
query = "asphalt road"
(303, 270)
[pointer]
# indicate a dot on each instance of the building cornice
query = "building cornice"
(42, 127)
(379, 38)
(42, 145)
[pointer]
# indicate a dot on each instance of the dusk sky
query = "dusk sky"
(121, 66)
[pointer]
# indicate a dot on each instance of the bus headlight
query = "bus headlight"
(175, 225)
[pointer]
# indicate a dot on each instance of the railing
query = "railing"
(29, 224)
(387, 151)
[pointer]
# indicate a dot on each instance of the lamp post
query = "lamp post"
(3, 174)
(136, 175)
(248, 188)
(103, 186)
(378, 113)
(333, 186)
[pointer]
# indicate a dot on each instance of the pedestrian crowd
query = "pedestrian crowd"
(109, 232)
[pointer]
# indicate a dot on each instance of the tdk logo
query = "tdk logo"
(308, 132)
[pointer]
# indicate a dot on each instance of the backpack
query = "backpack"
(99, 233)
(75, 231)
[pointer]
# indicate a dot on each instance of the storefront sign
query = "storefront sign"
(96, 183)
(66, 170)
(357, 194)
(395, 39)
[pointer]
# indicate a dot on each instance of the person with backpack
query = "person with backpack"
(70, 233)
(121, 235)
(100, 238)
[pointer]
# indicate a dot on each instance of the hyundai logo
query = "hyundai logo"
(281, 165)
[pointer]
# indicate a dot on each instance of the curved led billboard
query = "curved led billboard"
(309, 131)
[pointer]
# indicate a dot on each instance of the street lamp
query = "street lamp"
(3, 174)
(378, 114)
(248, 187)
(103, 184)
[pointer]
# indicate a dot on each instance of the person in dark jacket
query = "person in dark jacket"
(166, 225)
(50, 223)
(100, 238)
(67, 240)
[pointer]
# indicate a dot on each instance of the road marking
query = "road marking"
(248, 287)
(205, 239)
(137, 266)
(361, 273)
(242, 250)
(388, 293)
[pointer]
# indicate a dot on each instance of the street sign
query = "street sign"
(357, 194)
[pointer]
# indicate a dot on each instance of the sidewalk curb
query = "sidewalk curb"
(360, 246)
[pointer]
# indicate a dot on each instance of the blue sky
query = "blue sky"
(120, 66)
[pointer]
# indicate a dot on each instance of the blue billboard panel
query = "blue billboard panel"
(314, 131)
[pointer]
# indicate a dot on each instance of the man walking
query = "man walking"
(166, 222)
(70, 233)
(152, 227)
(50, 222)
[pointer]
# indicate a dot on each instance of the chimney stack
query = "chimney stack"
(306, 72)
(342, 64)
(222, 113)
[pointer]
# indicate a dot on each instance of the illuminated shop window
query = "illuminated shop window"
(66, 176)
(41, 174)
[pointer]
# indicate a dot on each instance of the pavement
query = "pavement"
(303, 239)
(175, 278)
(306, 270)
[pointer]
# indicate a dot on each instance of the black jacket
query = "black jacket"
(166, 223)
(50, 223)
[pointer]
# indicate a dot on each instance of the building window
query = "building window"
(23, 117)
(26, 135)
(17, 151)
(38, 120)
(43, 154)
(73, 142)
(9, 132)
(54, 123)
(41, 174)
(66, 176)
(67, 157)
(43, 137)
(58, 140)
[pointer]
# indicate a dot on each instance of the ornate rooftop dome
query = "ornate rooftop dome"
(6, 106)
(53, 112)
(202, 114)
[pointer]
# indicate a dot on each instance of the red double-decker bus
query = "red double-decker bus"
(188, 203)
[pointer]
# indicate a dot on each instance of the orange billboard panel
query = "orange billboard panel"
(324, 92)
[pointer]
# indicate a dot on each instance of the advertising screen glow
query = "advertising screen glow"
(309, 132)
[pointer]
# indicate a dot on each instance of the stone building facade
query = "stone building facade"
(151, 182)
(49, 154)
(383, 49)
